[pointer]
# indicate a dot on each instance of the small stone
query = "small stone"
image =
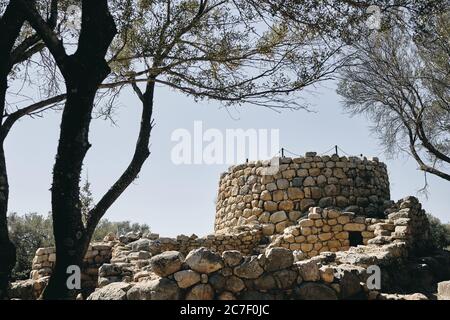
(266, 195)
(355, 227)
(232, 258)
(306, 223)
(295, 194)
(265, 282)
(268, 229)
(201, 292)
(444, 290)
(309, 182)
(186, 278)
(308, 270)
(234, 284)
(286, 205)
(305, 204)
(226, 296)
(270, 206)
(282, 184)
(327, 274)
(294, 215)
(249, 269)
(278, 217)
(343, 219)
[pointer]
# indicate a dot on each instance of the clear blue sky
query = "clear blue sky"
(180, 199)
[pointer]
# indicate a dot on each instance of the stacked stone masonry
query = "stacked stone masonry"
(309, 231)
(248, 194)
(44, 260)
(278, 272)
(331, 230)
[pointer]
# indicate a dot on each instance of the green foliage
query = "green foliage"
(29, 232)
(32, 231)
(105, 226)
(440, 233)
(86, 199)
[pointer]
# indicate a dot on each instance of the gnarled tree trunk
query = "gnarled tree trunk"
(10, 24)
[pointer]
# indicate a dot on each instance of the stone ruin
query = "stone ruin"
(312, 230)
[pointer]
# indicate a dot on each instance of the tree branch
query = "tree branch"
(140, 155)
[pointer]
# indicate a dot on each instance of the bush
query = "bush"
(105, 226)
(32, 231)
(28, 233)
(440, 233)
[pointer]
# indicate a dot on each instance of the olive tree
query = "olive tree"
(18, 44)
(400, 79)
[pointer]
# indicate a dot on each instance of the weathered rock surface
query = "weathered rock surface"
(201, 292)
(113, 291)
(166, 263)
(186, 278)
(444, 290)
(249, 269)
(204, 261)
(315, 291)
(277, 259)
(159, 289)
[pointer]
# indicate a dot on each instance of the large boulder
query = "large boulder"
(201, 292)
(152, 246)
(278, 259)
(249, 269)
(166, 263)
(27, 289)
(315, 291)
(109, 270)
(159, 289)
(113, 291)
(204, 261)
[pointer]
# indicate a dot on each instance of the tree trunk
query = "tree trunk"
(10, 25)
(83, 72)
(71, 238)
(7, 248)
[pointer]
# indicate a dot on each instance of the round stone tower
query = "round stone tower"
(280, 192)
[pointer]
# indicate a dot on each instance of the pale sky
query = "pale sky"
(179, 199)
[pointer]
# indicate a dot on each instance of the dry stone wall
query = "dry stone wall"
(130, 259)
(327, 230)
(285, 270)
(44, 260)
(332, 230)
(248, 196)
(317, 258)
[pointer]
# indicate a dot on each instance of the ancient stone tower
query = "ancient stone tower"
(248, 195)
